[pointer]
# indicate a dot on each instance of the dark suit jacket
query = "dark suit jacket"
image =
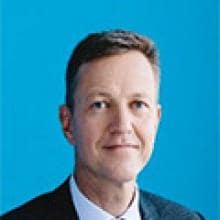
(57, 205)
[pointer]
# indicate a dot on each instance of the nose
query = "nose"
(121, 122)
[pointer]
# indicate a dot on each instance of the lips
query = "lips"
(121, 146)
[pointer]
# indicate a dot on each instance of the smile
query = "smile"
(121, 146)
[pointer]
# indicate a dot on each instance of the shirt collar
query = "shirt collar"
(85, 207)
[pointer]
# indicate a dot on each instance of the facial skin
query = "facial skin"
(115, 118)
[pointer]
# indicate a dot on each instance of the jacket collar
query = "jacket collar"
(147, 208)
(64, 209)
(62, 203)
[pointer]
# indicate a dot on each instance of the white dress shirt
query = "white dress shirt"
(87, 210)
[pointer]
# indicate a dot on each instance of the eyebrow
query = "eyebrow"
(106, 94)
(97, 93)
(140, 95)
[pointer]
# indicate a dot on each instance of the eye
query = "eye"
(99, 105)
(139, 105)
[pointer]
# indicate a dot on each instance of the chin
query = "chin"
(123, 175)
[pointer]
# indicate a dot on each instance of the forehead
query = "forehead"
(123, 74)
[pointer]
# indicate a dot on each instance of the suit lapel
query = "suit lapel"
(147, 209)
(64, 209)
(62, 204)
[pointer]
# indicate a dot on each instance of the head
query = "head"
(112, 112)
(104, 44)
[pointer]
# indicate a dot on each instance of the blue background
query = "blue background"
(37, 39)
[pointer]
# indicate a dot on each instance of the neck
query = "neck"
(112, 196)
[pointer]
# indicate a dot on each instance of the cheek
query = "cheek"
(88, 131)
(84, 142)
(147, 132)
(148, 135)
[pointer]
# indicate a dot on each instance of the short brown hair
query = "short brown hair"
(107, 43)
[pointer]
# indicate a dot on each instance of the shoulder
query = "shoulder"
(34, 209)
(53, 205)
(166, 209)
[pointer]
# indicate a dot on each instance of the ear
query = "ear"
(66, 121)
(158, 115)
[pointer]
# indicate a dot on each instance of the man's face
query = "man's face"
(115, 116)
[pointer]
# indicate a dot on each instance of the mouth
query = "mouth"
(121, 146)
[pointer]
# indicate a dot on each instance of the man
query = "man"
(111, 117)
